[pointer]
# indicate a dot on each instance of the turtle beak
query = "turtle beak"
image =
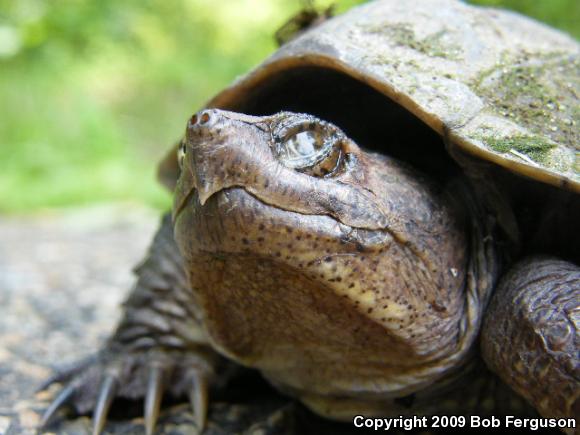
(200, 135)
(203, 136)
(202, 171)
(212, 145)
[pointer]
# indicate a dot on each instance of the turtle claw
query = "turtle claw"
(198, 398)
(60, 401)
(106, 396)
(65, 374)
(153, 398)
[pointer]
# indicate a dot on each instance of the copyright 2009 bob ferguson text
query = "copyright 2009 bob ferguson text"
(453, 421)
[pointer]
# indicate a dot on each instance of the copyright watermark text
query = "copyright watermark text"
(452, 421)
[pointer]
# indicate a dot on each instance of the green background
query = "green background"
(93, 92)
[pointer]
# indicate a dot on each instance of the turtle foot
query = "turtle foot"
(94, 384)
(531, 333)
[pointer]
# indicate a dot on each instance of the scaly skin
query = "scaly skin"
(531, 335)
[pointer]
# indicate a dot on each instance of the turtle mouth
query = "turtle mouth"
(187, 195)
(184, 200)
(184, 192)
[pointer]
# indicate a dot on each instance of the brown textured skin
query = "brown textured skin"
(531, 336)
(353, 286)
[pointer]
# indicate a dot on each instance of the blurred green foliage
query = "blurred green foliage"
(93, 92)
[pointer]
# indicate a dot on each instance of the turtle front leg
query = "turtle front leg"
(159, 346)
(531, 334)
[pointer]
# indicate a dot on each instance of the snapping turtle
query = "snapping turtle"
(386, 202)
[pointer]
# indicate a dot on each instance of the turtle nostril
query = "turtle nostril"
(204, 118)
(201, 124)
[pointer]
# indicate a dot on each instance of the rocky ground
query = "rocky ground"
(62, 278)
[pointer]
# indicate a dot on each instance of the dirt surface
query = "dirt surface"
(62, 278)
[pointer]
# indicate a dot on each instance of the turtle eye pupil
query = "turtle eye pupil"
(302, 149)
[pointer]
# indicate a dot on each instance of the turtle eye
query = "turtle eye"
(311, 149)
(181, 153)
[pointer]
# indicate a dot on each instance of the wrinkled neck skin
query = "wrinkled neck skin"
(351, 285)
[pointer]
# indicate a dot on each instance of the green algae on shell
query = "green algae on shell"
(540, 95)
(432, 45)
(533, 147)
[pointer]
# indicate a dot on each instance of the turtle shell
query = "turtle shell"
(501, 86)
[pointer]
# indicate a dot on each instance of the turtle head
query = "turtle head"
(291, 161)
(314, 260)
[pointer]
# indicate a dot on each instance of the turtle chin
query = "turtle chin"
(296, 295)
(315, 304)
